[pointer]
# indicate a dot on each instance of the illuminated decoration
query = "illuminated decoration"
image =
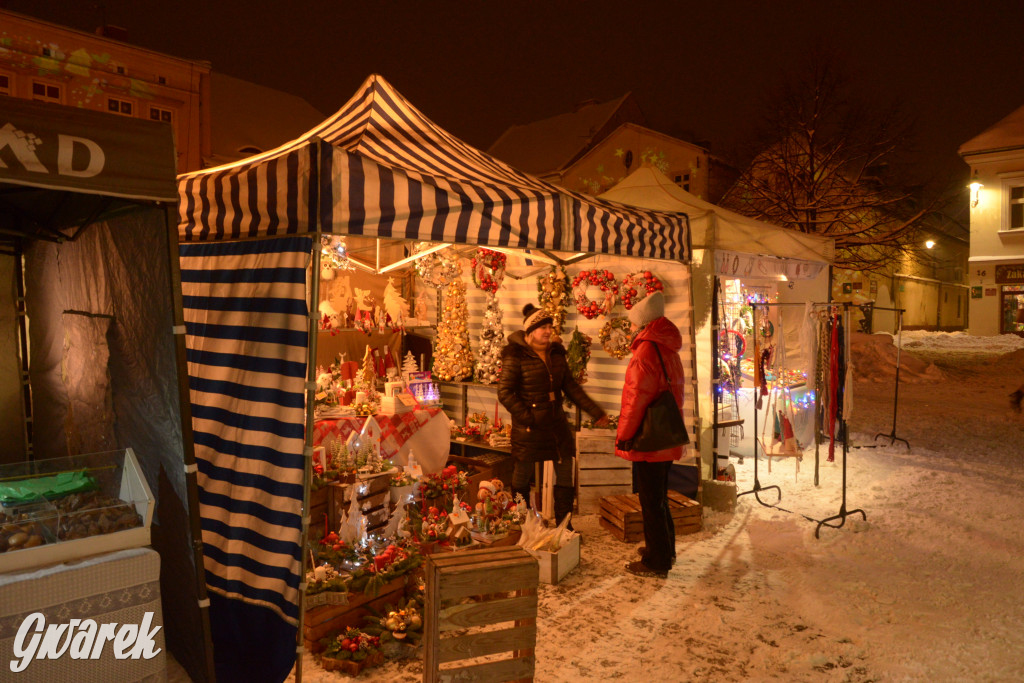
(975, 186)
(929, 244)
(453, 359)
(334, 253)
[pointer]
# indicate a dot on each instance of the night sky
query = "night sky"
(699, 70)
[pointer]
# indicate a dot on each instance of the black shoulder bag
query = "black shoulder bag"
(663, 425)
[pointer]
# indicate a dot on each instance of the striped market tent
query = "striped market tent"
(378, 168)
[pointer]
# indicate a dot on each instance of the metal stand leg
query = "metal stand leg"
(896, 395)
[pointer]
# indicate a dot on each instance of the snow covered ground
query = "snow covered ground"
(927, 588)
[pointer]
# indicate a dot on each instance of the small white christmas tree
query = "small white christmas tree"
(492, 340)
(409, 366)
(395, 306)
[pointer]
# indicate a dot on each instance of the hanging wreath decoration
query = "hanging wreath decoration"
(488, 269)
(616, 337)
(553, 294)
(439, 268)
(578, 355)
(638, 285)
(605, 281)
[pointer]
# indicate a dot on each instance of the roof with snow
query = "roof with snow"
(1007, 133)
(552, 144)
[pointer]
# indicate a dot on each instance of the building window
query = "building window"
(47, 52)
(158, 114)
(47, 92)
(120, 69)
(162, 80)
(1016, 207)
(5, 84)
(123, 107)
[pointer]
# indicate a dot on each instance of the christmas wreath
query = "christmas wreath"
(439, 268)
(488, 269)
(635, 283)
(605, 281)
(616, 337)
(553, 294)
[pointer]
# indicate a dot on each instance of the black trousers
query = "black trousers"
(651, 480)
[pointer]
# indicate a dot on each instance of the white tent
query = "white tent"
(729, 245)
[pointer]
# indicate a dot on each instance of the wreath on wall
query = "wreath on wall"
(488, 269)
(616, 337)
(603, 280)
(638, 285)
(439, 268)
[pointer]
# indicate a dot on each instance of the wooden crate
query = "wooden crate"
(621, 516)
(319, 621)
(599, 472)
(479, 604)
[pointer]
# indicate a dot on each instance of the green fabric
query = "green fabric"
(55, 486)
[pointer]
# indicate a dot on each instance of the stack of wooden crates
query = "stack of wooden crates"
(599, 472)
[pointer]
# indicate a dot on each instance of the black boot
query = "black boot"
(524, 492)
(564, 496)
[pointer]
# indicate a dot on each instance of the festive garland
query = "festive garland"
(605, 280)
(616, 337)
(488, 269)
(632, 285)
(439, 268)
(578, 355)
(553, 295)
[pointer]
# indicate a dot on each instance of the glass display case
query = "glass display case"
(65, 508)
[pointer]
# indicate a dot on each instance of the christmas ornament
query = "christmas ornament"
(638, 285)
(553, 294)
(333, 256)
(488, 269)
(603, 280)
(396, 308)
(616, 337)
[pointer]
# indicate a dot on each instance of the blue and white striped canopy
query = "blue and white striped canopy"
(379, 168)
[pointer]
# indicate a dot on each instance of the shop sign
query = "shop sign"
(976, 292)
(1010, 273)
(991, 291)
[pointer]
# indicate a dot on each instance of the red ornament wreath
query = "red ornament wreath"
(604, 279)
(632, 284)
(488, 269)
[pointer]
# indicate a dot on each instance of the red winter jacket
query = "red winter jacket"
(645, 380)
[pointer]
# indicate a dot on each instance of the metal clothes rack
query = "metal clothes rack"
(843, 512)
(896, 390)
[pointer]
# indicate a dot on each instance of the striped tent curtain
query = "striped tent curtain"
(245, 324)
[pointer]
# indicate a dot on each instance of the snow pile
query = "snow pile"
(874, 359)
(960, 342)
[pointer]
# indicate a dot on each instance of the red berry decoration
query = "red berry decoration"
(605, 281)
(488, 269)
(636, 283)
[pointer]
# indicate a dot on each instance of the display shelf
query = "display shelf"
(483, 445)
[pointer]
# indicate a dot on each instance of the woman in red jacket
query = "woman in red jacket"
(645, 379)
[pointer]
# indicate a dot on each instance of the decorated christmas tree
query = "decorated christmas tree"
(453, 359)
(492, 339)
(395, 306)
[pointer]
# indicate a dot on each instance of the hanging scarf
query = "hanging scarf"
(833, 379)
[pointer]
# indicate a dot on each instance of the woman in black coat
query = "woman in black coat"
(534, 378)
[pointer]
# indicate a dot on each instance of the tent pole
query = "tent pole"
(307, 475)
(21, 315)
(187, 443)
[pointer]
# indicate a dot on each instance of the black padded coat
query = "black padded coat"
(540, 428)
